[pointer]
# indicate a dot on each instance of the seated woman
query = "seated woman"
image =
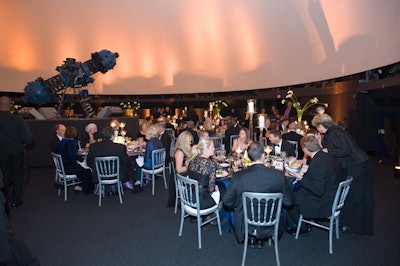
(153, 143)
(92, 136)
(68, 149)
(241, 143)
(143, 129)
(181, 153)
(203, 169)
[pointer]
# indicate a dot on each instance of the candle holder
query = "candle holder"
(251, 104)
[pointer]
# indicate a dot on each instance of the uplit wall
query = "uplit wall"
(193, 46)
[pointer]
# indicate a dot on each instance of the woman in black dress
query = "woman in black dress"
(357, 213)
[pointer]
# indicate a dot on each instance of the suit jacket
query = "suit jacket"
(54, 142)
(256, 178)
(291, 135)
(109, 148)
(287, 147)
(318, 186)
(152, 144)
(166, 142)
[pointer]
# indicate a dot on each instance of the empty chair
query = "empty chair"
(107, 169)
(61, 178)
(190, 205)
(157, 168)
(338, 203)
(218, 143)
(262, 209)
(295, 145)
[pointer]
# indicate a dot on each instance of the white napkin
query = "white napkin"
(140, 160)
(216, 195)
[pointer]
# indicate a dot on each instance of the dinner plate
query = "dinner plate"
(222, 173)
(224, 165)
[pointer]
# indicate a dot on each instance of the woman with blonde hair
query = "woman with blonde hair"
(183, 147)
(241, 143)
(203, 169)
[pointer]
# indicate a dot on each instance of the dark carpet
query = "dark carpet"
(143, 231)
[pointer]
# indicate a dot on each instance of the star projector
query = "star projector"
(73, 74)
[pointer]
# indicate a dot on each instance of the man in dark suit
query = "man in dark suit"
(293, 136)
(233, 129)
(108, 148)
(290, 111)
(318, 185)
(60, 134)
(189, 126)
(256, 178)
(14, 135)
(279, 144)
(165, 140)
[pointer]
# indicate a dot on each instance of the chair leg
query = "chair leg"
(337, 227)
(65, 191)
(182, 220)
(153, 182)
(199, 221)
(246, 239)
(120, 191)
(219, 222)
(276, 250)
(165, 179)
(299, 226)
(100, 193)
(330, 235)
(176, 199)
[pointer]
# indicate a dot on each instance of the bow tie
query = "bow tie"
(276, 145)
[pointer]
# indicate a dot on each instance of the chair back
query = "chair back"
(157, 158)
(172, 149)
(295, 145)
(218, 142)
(340, 197)
(262, 209)
(107, 168)
(188, 191)
(231, 138)
(170, 132)
(58, 162)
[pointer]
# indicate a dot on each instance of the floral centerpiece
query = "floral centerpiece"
(15, 107)
(296, 104)
(130, 108)
(218, 105)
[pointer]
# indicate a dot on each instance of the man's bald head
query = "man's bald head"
(5, 103)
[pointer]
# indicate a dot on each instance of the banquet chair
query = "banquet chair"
(61, 178)
(262, 209)
(157, 168)
(295, 145)
(190, 205)
(169, 164)
(177, 197)
(107, 169)
(218, 143)
(231, 138)
(338, 203)
(170, 132)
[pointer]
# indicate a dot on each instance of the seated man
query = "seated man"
(317, 186)
(256, 178)
(108, 148)
(280, 145)
(60, 134)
